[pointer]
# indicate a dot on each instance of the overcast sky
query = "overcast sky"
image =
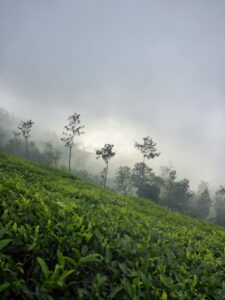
(130, 68)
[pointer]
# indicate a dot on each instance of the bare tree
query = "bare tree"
(25, 130)
(106, 154)
(71, 130)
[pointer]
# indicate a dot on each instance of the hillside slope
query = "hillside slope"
(63, 238)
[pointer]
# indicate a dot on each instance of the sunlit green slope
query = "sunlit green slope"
(63, 238)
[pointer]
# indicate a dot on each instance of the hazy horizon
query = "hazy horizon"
(130, 68)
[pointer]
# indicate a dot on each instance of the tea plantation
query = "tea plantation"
(64, 238)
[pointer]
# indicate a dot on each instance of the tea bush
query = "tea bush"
(64, 238)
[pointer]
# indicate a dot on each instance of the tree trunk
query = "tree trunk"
(106, 172)
(27, 149)
(143, 176)
(70, 158)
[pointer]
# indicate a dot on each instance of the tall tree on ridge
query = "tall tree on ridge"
(149, 151)
(148, 148)
(71, 130)
(106, 154)
(25, 130)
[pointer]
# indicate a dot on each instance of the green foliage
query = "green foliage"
(175, 193)
(220, 206)
(63, 238)
(141, 175)
(16, 146)
(123, 180)
(150, 191)
(178, 194)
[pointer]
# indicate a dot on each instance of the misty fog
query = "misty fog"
(130, 69)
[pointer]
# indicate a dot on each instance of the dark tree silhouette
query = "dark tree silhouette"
(123, 180)
(71, 130)
(220, 206)
(106, 154)
(141, 175)
(149, 151)
(52, 154)
(25, 130)
(204, 200)
(176, 194)
(148, 148)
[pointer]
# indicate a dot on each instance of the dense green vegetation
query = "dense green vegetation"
(165, 188)
(63, 238)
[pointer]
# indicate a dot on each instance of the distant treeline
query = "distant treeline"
(166, 189)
